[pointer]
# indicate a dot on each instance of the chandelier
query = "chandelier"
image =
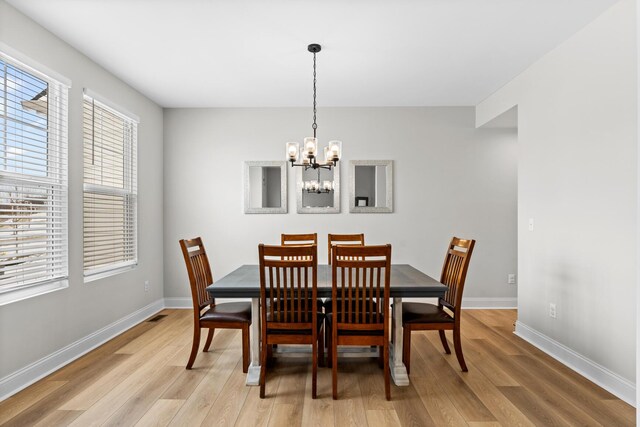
(308, 155)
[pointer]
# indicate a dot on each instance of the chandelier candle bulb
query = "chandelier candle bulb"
(335, 147)
(310, 146)
(292, 150)
(327, 155)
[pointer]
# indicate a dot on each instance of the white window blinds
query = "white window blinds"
(33, 181)
(110, 189)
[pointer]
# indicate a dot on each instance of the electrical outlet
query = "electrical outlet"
(511, 279)
(552, 310)
(146, 286)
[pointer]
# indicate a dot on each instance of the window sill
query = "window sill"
(107, 273)
(32, 291)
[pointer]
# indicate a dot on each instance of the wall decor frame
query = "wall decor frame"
(301, 209)
(248, 208)
(383, 196)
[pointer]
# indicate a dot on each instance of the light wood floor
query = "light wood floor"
(139, 379)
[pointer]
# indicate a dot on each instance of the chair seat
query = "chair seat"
(418, 312)
(228, 312)
(360, 332)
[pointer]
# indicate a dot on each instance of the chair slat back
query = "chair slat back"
(199, 270)
(361, 277)
(288, 286)
(454, 271)
(298, 239)
(343, 239)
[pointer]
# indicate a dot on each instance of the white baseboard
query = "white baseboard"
(185, 302)
(24, 377)
(492, 303)
(610, 381)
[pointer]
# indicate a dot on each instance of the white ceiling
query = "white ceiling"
(238, 53)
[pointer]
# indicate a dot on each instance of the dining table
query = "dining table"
(406, 282)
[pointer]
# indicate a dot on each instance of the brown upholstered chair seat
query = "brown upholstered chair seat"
(418, 312)
(228, 312)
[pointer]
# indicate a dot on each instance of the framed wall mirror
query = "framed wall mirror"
(265, 187)
(318, 190)
(371, 186)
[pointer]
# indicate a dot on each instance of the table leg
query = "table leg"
(253, 375)
(398, 370)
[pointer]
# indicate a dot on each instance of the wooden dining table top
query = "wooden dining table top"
(406, 281)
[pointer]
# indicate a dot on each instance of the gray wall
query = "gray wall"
(450, 179)
(37, 327)
(577, 138)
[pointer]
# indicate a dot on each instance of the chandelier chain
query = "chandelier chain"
(315, 125)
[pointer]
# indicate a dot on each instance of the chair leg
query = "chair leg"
(194, 346)
(329, 352)
(380, 356)
(314, 369)
(209, 339)
(270, 355)
(334, 368)
(406, 348)
(245, 348)
(387, 373)
(445, 344)
(321, 347)
(458, 346)
(263, 367)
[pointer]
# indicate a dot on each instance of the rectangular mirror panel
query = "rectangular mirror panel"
(318, 190)
(371, 186)
(265, 187)
(312, 199)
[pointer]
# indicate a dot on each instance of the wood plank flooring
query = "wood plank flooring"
(138, 379)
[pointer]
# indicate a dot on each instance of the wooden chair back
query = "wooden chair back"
(298, 239)
(199, 270)
(288, 286)
(454, 272)
(361, 277)
(343, 239)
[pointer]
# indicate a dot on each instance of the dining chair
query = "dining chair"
(344, 240)
(360, 276)
(288, 287)
(445, 315)
(333, 240)
(206, 313)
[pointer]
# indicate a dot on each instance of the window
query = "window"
(110, 189)
(33, 182)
